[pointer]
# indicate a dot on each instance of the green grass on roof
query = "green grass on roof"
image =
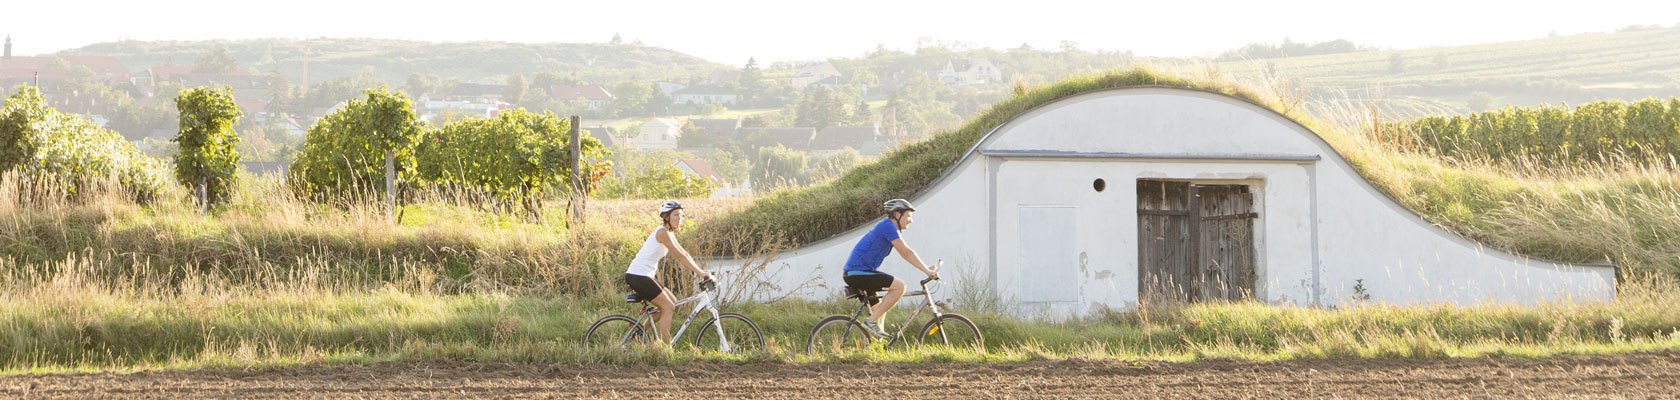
(798, 217)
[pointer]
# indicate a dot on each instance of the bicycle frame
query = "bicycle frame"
(927, 297)
(703, 301)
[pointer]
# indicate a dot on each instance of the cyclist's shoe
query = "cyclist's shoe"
(875, 329)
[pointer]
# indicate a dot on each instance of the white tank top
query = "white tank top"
(647, 259)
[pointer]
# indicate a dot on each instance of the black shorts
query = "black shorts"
(869, 282)
(645, 288)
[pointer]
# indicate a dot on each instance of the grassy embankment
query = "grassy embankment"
(109, 284)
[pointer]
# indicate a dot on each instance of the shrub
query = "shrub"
(207, 141)
(344, 152)
(72, 153)
(515, 156)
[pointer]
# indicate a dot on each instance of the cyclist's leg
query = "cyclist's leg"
(666, 305)
(878, 312)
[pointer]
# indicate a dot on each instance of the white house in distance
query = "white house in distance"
(705, 94)
(668, 87)
(812, 73)
(1108, 198)
(657, 133)
(595, 95)
(977, 71)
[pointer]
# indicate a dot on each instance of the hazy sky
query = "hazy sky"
(731, 31)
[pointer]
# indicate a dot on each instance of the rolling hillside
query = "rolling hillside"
(394, 60)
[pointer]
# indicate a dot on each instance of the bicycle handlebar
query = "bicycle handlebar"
(925, 281)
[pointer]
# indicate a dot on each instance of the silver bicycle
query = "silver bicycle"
(726, 332)
(845, 333)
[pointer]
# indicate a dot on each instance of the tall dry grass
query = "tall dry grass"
(267, 233)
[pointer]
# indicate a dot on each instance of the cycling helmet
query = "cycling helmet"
(669, 205)
(896, 205)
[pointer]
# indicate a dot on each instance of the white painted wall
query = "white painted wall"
(657, 133)
(1322, 227)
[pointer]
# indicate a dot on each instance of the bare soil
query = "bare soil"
(1648, 375)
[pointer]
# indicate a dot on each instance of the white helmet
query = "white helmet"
(669, 205)
(896, 205)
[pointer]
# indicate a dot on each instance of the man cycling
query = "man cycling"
(862, 266)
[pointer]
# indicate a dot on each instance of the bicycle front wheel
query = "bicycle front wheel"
(613, 332)
(742, 334)
(951, 330)
(836, 334)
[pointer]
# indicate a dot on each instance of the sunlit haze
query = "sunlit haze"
(731, 31)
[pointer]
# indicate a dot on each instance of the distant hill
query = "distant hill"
(1629, 64)
(394, 60)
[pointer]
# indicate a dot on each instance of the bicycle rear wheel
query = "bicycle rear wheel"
(742, 333)
(836, 334)
(613, 332)
(951, 330)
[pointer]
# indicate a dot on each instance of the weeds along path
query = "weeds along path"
(1620, 376)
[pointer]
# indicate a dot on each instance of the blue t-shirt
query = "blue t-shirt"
(874, 247)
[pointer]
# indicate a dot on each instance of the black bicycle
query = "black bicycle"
(842, 333)
(726, 332)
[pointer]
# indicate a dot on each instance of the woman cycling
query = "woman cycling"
(862, 267)
(662, 241)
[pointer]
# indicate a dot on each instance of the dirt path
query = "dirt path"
(1654, 375)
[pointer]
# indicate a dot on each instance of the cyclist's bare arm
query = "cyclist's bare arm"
(915, 260)
(683, 259)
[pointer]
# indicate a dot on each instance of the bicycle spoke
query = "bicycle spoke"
(951, 330)
(742, 334)
(613, 332)
(837, 334)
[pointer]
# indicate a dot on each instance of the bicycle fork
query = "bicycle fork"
(705, 305)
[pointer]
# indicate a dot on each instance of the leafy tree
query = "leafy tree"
(518, 155)
(41, 143)
(207, 140)
(729, 166)
(550, 78)
(1396, 63)
(422, 84)
(638, 98)
(779, 166)
(217, 62)
(134, 121)
(281, 94)
(751, 83)
(835, 164)
(651, 174)
(661, 182)
(344, 152)
(694, 137)
(330, 92)
(861, 114)
(514, 92)
(917, 107)
(820, 108)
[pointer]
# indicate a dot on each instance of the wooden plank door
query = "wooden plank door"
(1164, 241)
(1225, 257)
(1195, 242)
